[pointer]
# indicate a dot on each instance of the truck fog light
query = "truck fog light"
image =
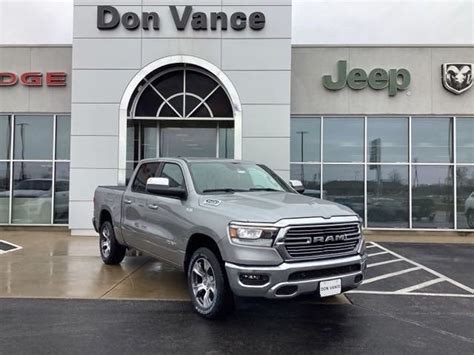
(253, 279)
(358, 279)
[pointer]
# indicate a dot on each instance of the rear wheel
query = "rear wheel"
(111, 251)
(208, 287)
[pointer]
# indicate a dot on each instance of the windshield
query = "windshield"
(221, 176)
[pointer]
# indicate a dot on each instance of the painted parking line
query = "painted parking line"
(378, 253)
(392, 274)
(8, 247)
(384, 262)
(414, 266)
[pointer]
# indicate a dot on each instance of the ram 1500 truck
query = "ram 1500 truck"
(235, 228)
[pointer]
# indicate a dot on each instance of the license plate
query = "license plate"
(330, 288)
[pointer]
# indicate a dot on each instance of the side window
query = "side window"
(174, 174)
(146, 171)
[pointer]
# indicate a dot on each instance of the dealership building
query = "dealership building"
(377, 121)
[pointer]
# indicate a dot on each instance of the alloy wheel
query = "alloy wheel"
(204, 283)
(105, 242)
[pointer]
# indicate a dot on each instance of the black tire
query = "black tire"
(111, 252)
(221, 300)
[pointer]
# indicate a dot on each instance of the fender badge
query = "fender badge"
(212, 202)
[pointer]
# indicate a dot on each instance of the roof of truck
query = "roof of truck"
(198, 160)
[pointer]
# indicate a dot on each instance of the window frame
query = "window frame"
(410, 164)
(53, 161)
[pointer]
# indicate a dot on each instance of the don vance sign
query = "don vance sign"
(109, 17)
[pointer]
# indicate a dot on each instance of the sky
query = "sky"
(322, 22)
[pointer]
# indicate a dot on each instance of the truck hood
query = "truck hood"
(263, 206)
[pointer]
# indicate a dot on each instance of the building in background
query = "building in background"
(371, 114)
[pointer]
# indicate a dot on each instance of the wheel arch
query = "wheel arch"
(200, 240)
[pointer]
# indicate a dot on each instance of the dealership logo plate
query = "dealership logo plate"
(457, 77)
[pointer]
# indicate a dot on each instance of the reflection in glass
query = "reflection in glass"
(343, 139)
(387, 139)
(387, 196)
(305, 139)
(4, 191)
(465, 197)
(5, 133)
(344, 184)
(34, 137)
(149, 132)
(310, 176)
(188, 139)
(61, 194)
(432, 140)
(133, 140)
(226, 141)
(465, 139)
(432, 203)
(32, 193)
(63, 134)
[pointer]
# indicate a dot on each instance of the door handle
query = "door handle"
(153, 206)
(127, 202)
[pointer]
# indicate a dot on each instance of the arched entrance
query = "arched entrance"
(178, 106)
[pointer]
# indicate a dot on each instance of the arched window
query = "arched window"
(179, 92)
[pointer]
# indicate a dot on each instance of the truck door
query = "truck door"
(134, 206)
(166, 218)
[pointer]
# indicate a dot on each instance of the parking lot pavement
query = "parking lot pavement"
(417, 298)
(416, 272)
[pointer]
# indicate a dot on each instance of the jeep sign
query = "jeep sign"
(108, 18)
(378, 79)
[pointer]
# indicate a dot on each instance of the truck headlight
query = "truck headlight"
(262, 236)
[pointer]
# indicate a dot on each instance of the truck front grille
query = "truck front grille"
(322, 241)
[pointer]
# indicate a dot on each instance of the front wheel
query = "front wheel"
(210, 293)
(111, 251)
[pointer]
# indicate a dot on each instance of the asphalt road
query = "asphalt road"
(372, 324)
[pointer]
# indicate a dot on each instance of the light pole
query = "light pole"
(302, 133)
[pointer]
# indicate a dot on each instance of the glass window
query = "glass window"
(343, 139)
(5, 133)
(32, 185)
(226, 142)
(146, 171)
(4, 192)
(344, 184)
(310, 176)
(305, 139)
(133, 140)
(432, 140)
(174, 174)
(432, 203)
(149, 139)
(189, 139)
(305, 142)
(465, 196)
(63, 136)
(387, 196)
(34, 137)
(465, 139)
(61, 193)
(224, 175)
(387, 139)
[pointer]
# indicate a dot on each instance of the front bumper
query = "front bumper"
(292, 279)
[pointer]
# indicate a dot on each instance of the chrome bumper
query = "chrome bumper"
(278, 277)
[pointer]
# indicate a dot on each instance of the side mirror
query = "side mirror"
(161, 186)
(297, 185)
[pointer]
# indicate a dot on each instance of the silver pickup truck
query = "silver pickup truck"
(235, 228)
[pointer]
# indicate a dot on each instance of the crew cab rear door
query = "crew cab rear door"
(134, 208)
(166, 217)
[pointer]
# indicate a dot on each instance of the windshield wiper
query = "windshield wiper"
(263, 189)
(228, 190)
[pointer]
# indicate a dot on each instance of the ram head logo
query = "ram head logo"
(457, 78)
